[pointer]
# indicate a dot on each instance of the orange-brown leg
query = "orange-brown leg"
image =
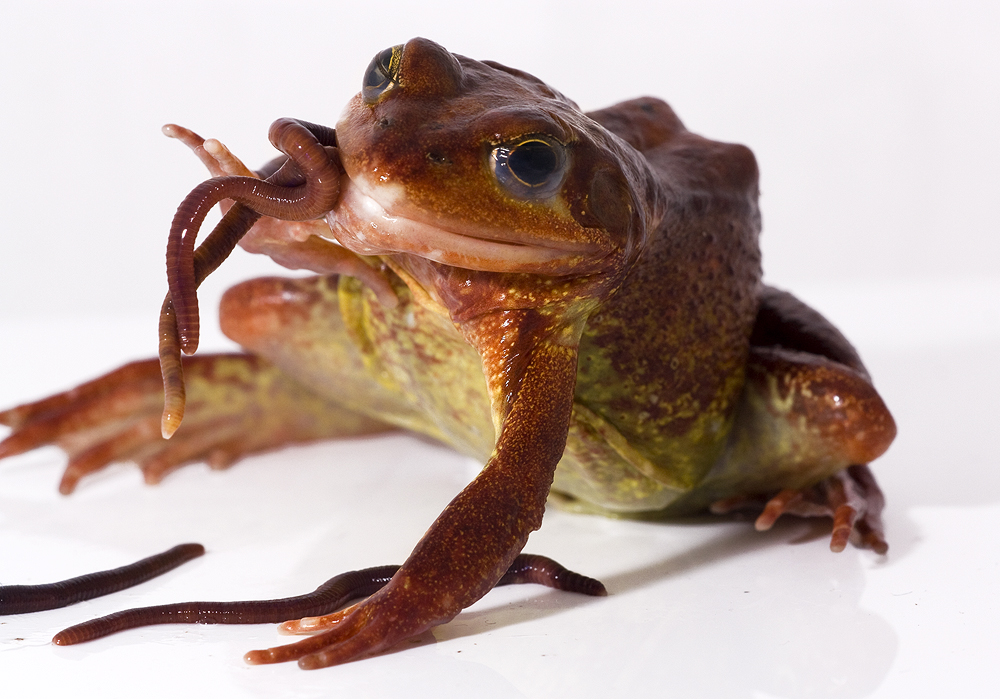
(303, 382)
(804, 434)
(238, 405)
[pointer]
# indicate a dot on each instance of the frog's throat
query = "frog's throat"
(363, 225)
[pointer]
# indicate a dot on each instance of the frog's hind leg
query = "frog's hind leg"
(809, 422)
(298, 325)
(238, 404)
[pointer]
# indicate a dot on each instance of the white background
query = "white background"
(875, 126)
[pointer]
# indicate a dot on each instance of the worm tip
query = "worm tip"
(189, 341)
(194, 550)
(169, 424)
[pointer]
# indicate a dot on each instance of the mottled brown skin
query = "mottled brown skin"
(600, 335)
(700, 315)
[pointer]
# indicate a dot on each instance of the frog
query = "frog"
(574, 299)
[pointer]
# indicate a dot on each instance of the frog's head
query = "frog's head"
(484, 188)
(482, 167)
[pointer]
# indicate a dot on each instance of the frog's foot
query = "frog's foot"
(238, 405)
(366, 628)
(851, 497)
(526, 568)
(377, 624)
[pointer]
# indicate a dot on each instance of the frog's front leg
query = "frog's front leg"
(809, 422)
(474, 540)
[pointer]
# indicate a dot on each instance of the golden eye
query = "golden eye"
(382, 73)
(532, 167)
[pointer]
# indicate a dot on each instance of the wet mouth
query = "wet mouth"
(363, 225)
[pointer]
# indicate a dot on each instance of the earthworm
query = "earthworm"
(305, 186)
(331, 595)
(21, 599)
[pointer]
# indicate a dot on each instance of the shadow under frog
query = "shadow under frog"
(773, 629)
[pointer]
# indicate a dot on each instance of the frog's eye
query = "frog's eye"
(530, 168)
(382, 73)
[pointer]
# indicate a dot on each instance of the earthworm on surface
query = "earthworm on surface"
(331, 595)
(22, 599)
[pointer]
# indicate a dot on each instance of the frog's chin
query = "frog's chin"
(363, 225)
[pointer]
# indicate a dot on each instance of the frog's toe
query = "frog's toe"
(862, 505)
(198, 443)
(96, 423)
(123, 446)
(851, 497)
(140, 441)
(218, 159)
(237, 405)
(364, 629)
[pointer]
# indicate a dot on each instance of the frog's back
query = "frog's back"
(662, 361)
(683, 159)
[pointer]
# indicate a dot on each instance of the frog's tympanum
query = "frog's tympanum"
(573, 298)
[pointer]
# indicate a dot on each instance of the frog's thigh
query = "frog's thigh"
(801, 418)
(297, 325)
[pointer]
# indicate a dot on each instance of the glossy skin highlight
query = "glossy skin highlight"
(590, 323)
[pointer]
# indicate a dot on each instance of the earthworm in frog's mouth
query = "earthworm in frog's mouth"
(366, 218)
(305, 187)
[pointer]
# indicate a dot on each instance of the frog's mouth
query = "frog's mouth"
(367, 226)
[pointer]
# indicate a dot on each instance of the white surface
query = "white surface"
(875, 128)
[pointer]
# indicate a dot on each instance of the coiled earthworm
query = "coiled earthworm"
(305, 186)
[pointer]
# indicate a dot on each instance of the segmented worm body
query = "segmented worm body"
(305, 186)
(328, 597)
(21, 599)
(332, 594)
(541, 570)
